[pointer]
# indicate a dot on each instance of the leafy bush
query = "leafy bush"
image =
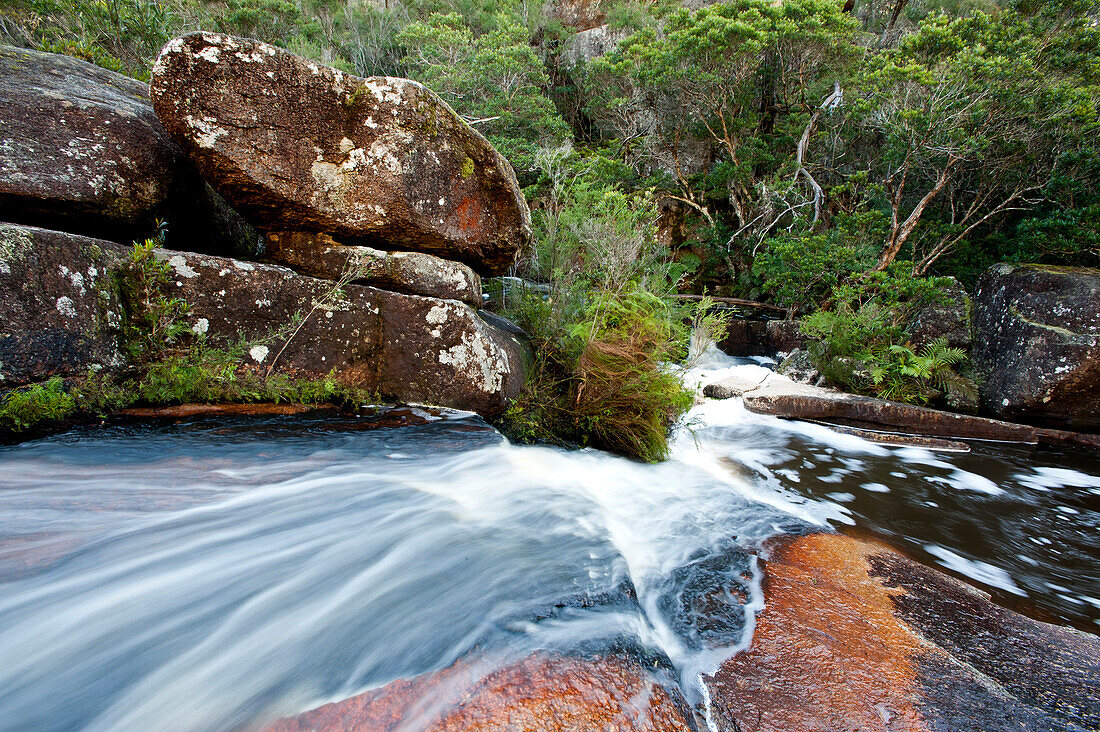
(604, 381)
(900, 374)
(802, 270)
(860, 343)
(495, 80)
(152, 321)
(203, 374)
(120, 35)
(606, 333)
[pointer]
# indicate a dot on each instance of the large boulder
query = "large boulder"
(1037, 344)
(404, 347)
(83, 151)
(60, 314)
(589, 44)
(296, 146)
(855, 636)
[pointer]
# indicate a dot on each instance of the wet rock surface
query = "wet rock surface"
(84, 152)
(734, 386)
(541, 692)
(798, 367)
(704, 604)
(746, 337)
(301, 147)
(1049, 673)
(1037, 344)
(59, 307)
(408, 348)
(785, 398)
(412, 273)
(856, 636)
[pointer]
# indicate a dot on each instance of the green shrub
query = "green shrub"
(900, 374)
(493, 78)
(152, 321)
(604, 381)
(860, 343)
(26, 407)
(606, 333)
(800, 271)
(204, 374)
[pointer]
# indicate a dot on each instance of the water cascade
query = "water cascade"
(223, 574)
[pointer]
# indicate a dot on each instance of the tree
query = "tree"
(739, 75)
(966, 119)
(495, 81)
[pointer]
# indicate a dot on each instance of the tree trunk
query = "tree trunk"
(898, 7)
(900, 235)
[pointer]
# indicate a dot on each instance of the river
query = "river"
(217, 574)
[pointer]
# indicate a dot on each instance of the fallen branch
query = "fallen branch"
(734, 301)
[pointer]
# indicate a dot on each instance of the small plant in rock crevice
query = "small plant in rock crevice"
(152, 321)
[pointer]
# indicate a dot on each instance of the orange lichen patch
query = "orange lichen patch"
(468, 214)
(215, 410)
(829, 652)
(542, 692)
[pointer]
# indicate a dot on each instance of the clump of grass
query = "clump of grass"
(604, 381)
(203, 374)
(23, 408)
(606, 334)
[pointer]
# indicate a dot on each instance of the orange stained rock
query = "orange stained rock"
(828, 654)
(543, 692)
(217, 410)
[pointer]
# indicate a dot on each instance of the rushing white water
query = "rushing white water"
(213, 577)
(216, 575)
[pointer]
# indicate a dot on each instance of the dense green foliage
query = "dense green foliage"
(787, 151)
(21, 409)
(953, 132)
(606, 331)
(861, 342)
(601, 378)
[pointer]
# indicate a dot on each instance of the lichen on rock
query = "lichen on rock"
(297, 146)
